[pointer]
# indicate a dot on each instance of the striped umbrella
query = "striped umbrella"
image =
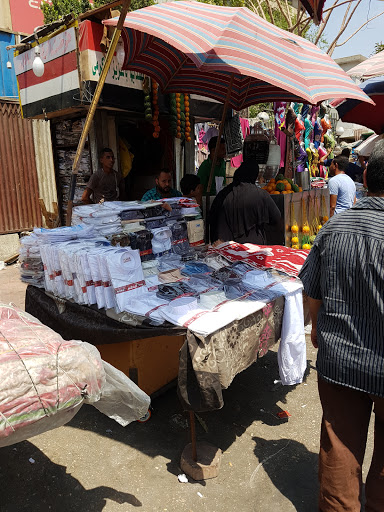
(209, 50)
(370, 68)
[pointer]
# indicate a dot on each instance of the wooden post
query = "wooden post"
(93, 106)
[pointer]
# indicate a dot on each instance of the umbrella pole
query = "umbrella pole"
(214, 160)
(93, 106)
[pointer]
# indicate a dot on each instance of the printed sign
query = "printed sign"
(26, 15)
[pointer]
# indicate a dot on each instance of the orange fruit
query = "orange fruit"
(288, 186)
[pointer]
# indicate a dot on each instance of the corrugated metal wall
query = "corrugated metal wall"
(19, 193)
(44, 162)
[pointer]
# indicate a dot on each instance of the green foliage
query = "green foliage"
(57, 8)
(260, 107)
(379, 47)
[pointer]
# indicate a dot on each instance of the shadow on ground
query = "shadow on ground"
(48, 485)
(292, 469)
(252, 396)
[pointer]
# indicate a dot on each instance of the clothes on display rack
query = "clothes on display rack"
(279, 109)
(317, 133)
(299, 128)
(307, 132)
(245, 130)
(326, 125)
(329, 143)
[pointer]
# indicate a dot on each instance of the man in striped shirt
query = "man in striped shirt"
(344, 279)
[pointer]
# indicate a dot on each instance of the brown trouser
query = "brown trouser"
(344, 429)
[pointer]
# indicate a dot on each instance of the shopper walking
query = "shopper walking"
(342, 189)
(344, 279)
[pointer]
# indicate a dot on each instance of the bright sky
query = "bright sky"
(364, 41)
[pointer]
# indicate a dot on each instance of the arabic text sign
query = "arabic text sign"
(92, 64)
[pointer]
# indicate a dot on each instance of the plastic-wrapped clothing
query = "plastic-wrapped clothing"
(180, 310)
(195, 267)
(155, 223)
(170, 261)
(211, 299)
(142, 241)
(56, 377)
(241, 268)
(235, 289)
(161, 241)
(147, 306)
(94, 269)
(126, 275)
(153, 211)
(131, 215)
(202, 283)
(224, 273)
(173, 290)
(106, 285)
(180, 244)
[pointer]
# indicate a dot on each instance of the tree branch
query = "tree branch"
(298, 20)
(270, 12)
(324, 24)
(344, 25)
(284, 14)
(356, 31)
(261, 12)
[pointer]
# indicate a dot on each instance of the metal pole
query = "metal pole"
(214, 160)
(93, 106)
(193, 434)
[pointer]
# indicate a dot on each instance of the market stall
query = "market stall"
(134, 290)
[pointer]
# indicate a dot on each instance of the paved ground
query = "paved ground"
(92, 464)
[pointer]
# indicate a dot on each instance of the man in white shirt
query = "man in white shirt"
(342, 188)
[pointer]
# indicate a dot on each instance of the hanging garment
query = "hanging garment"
(279, 112)
(305, 110)
(329, 143)
(325, 126)
(307, 132)
(299, 128)
(301, 159)
(322, 168)
(314, 167)
(318, 131)
(237, 160)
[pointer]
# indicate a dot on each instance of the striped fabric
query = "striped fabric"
(314, 9)
(195, 47)
(345, 269)
(374, 66)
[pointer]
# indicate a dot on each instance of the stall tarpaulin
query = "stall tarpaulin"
(370, 68)
(355, 111)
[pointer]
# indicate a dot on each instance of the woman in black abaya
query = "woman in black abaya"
(241, 210)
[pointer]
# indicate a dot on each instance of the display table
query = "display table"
(150, 355)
